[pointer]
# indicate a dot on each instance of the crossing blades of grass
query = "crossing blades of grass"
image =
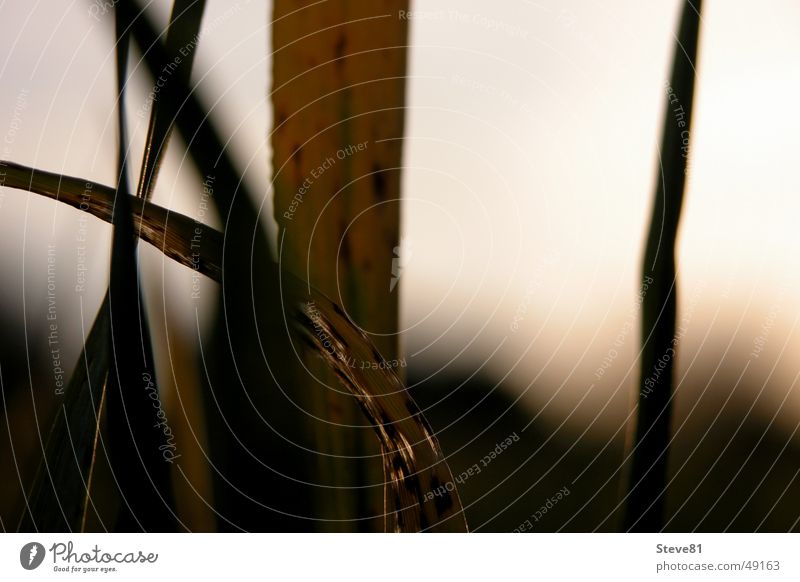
(393, 415)
(250, 316)
(168, 231)
(70, 452)
(241, 332)
(181, 47)
(141, 446)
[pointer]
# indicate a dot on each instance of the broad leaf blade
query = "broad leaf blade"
(338, 93)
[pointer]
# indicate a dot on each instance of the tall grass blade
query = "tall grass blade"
(338, 78)
(246, 407)
(648, 476)
(70, 452)
(141, 447)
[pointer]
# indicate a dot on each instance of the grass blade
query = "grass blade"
(181, 44)
(141, 445)
(422, 494)
(246, 320)
(648, 477)
(60, 493)
(70, 436)
(338, 78)
(168, 231)
(239, 387)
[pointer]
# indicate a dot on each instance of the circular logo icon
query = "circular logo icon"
(31, 555)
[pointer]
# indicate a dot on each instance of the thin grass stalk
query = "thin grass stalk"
(59, 496)
(647, 486)
(180, 49)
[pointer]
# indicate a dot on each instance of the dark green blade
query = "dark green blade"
(68, 461)
(648, 477)
(206, 147)
(246, 409)
(141, 447)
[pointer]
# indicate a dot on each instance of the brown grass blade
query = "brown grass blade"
(170, 232)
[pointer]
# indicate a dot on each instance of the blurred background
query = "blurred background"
(530, 156)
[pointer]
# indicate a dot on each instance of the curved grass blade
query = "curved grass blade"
(418, 496)
(170, 232)
(648, 477)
